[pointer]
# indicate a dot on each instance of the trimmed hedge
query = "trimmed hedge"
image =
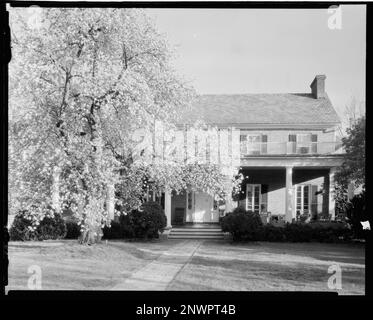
(147, 222)
(241, 224)
(245, 226)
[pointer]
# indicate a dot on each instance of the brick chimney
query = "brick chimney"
(318, 86)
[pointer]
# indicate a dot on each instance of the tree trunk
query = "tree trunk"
(56, 188)
(91, 235)
(93, 232)
(110, 200)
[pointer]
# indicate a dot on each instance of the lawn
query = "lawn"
(187, 265)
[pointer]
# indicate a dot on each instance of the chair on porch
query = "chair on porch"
(265, 217)
(277, 220)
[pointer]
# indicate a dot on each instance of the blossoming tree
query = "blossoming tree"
(81, 82)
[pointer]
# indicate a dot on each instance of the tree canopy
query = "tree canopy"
(352, 170)
(353, 167)
(81, 82)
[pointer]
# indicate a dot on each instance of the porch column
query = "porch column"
(331, 193)
(289, 200)
(167, 207)
(228, 204)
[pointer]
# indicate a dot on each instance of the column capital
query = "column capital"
(333, 170)
(289, 170)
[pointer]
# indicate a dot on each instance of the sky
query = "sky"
(228, 51)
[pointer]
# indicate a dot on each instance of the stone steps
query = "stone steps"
(196, 233)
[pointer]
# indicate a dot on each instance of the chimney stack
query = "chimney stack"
(318, 86)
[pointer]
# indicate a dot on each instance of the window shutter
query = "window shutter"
(264, 144)
(293, 143)
(264, 200)
(243, 145)
(314, 200)
(314, 143)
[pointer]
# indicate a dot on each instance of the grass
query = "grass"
(273, 267)
(69, 266)
(215, 265)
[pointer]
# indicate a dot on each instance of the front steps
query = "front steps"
(200, 232)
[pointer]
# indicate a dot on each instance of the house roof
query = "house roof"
(265, 109)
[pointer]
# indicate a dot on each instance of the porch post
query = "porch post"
(228, 203)
(331, 194)
(289, 200)
(167, 207)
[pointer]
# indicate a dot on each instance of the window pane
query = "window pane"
(243, 147)
(305, 199)
(253, 144)
(249, 197)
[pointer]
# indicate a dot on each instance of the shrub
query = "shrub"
(298, 232)
(356, 212)
(148, 221)
(242, 225)
(51, 227)
(72, 230)
(246, 226)
(126, 226)
(330, 231)
(144, 223)
(20, 229)
(272, 233)
(114, 231)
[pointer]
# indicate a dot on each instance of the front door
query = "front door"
(253, 197)
(205, 209)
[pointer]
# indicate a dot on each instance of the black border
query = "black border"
(137, 298)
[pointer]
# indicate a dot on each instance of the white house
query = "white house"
(285, 145)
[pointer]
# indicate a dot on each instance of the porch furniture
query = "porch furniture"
(265, 217)
(277, 220)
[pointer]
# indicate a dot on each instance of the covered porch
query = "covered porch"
(283, 193)
(288, 193)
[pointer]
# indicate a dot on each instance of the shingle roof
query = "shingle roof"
(287, 108)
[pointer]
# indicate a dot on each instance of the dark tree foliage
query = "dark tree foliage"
(353, 167)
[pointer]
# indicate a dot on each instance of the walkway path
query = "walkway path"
(158, 274)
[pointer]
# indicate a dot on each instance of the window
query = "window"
(253, 197)
(243, 144)
(303, 199)
(302, 143)
(253, 144)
